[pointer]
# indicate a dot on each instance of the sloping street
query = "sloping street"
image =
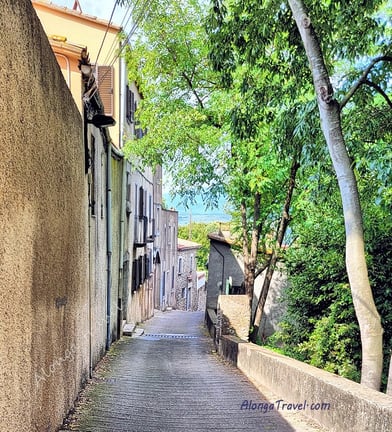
(171, 379)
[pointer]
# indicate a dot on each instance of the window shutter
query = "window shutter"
(105, 78)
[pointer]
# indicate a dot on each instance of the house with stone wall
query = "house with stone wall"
(201, 291)
(166, 257)
(186, 292)
(68, 239)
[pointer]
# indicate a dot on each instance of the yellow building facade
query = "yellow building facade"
(69, 31)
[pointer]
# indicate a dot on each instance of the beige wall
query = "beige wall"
(140, 300)
(43, 231)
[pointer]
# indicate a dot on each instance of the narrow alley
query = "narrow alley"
(170, 379)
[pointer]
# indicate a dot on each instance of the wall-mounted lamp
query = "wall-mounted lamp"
(86, 69)
(102, 121)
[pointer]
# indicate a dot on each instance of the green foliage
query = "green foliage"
(256, 43)
(198, 232)
(228, 103)
(320, 325)
(182, 108)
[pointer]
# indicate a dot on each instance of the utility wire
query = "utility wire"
(106, 32)
(143, 15)
(112, 48)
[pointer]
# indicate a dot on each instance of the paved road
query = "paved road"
(170, 379)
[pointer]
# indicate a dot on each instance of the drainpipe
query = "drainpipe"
(109, 238)
(122, 229)
(90, 282)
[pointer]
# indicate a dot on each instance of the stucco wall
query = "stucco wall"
(43, 230)
(98, 246)
(166, 242)
(116, 287)
(274, 307)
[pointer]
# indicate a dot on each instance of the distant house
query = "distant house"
(166, 258)
(226, 276)
(186, 292)
(201, 291)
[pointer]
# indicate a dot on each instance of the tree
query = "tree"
(208, 137)
(365, 308)
(320, 326)
(182, 108)
(262, 34)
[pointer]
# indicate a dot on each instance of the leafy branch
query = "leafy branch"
(364, 80)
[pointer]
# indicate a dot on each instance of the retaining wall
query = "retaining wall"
(353, 407)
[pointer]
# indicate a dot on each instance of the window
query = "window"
(130, 108)
(139, 133)
(146, 266)
(149, 208)
(128, 194)
(141, 202)
(180, 265)
(136, 200)
(135, 275)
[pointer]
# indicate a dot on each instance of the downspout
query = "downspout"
(109, 238)
(90, 282)
(122, 83)
(123, 185)
(122, 228)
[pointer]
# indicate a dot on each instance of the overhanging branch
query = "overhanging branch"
(363, 79)
(380, 90)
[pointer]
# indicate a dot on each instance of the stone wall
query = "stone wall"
(233, 316)
(44, 357)
(336, 403)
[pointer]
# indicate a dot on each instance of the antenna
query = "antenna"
(77, 6)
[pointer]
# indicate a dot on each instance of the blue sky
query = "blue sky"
(101, 9)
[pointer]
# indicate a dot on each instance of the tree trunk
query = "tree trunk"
(365, 309)
(283, 224)
(250, 251)
(389, 383)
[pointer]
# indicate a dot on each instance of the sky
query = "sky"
(101, 9)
